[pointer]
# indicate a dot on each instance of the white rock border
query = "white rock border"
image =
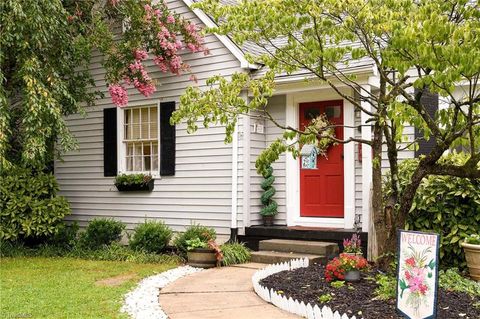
(143, 301)
(291, 305)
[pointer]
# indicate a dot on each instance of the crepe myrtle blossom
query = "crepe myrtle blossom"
(160, 29)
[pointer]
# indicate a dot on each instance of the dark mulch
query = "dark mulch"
(307, 284)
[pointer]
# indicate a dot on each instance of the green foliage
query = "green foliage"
(29, 204)
(195, 243)
(235, 253)
(451, 279)
(151, 236)
(387, 286)
(66, 236)
(132, 179)
(194, 231)
(473, 239)
(337, 284)
(112, 252)
(101, 232)
(325, 298)
(446, 205)
(270, 206)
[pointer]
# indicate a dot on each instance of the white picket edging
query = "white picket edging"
(288, 304)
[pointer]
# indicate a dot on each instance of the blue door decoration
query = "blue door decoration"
(309, 155)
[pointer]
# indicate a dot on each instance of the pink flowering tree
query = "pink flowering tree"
(46, 50)
(151, 30)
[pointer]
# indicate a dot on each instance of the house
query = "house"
(199, 178)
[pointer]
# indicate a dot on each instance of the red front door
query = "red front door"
(321, 189)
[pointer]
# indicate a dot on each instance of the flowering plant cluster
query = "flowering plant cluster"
(353, 245)
(149, 30)
(337, 267)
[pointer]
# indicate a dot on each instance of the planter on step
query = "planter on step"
(267, 220)
(472, 255)
(142, 187)
(202, 258)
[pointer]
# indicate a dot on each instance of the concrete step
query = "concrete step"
(300, 246)
(273, 257)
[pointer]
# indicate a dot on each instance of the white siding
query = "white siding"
(201, 189)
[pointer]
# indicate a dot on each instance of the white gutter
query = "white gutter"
(234, 178)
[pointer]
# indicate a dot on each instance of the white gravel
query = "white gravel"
(142, 303)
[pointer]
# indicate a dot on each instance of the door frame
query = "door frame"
(293, 101)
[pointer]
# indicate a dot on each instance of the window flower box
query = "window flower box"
(134, 183)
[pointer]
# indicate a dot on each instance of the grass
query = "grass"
(37, 287)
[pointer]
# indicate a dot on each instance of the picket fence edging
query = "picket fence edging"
(289, 304)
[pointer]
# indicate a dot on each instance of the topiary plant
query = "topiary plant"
(151, 236)
(270, 206)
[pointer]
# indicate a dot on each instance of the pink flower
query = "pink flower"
(114, 2)
(170, 19)
(140, 55)
(415, 282)
(175, 64)
(118, 94)
(146, 89)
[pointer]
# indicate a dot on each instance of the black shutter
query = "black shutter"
(430, 101)
(110, 141)
(167, 140)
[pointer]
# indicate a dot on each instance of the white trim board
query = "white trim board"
(227, 42)
(293, 101)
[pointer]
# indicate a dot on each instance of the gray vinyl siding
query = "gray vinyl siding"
(201, 189)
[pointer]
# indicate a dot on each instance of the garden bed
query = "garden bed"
(308, 284)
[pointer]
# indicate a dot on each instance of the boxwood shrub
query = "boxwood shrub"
(151, 236)
(449, 206)
(101, 232)
(29, 204)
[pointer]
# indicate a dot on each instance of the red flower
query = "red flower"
(407, 275)
(410, 261)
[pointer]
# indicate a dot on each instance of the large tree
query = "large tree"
(45, 52)
(415, 48)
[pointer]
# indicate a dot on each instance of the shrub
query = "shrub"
(446, 205)
(66, 236)
(235, 253)
(131, 179)
(29, 204)
(101, 232)
(203, 233)
(151, 236)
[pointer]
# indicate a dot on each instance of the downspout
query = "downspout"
(233, 224)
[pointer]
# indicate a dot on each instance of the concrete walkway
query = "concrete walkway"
(225, 292)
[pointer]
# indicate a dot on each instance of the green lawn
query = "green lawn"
(35, 287)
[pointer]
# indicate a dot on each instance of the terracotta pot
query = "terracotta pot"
(472, 254)
(267, 220)
(202, 258)
(353, 254)
(352, 276)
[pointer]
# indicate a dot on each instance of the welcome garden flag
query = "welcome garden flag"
(417, 274)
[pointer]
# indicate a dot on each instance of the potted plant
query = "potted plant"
(353, 246)
(345, 267)
(203, 254)
(270, 206)
(471, 247)
(134, 182)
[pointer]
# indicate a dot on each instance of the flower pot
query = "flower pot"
(353, 254)
(202, 258)
(267, 220)
(352, 276)
(143, 187)
(472, 255)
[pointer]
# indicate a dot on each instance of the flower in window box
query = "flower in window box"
(134, 182)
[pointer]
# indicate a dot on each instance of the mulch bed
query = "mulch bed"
(307, 284)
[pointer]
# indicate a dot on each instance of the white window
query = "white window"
(141, 139)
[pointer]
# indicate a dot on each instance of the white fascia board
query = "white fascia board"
(227, 42)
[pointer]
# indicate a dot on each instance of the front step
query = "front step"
(300, 246)
(274, 257)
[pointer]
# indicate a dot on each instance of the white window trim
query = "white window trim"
(121, 149)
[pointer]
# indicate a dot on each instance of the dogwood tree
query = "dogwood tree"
(415, 48)
(45, 51)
